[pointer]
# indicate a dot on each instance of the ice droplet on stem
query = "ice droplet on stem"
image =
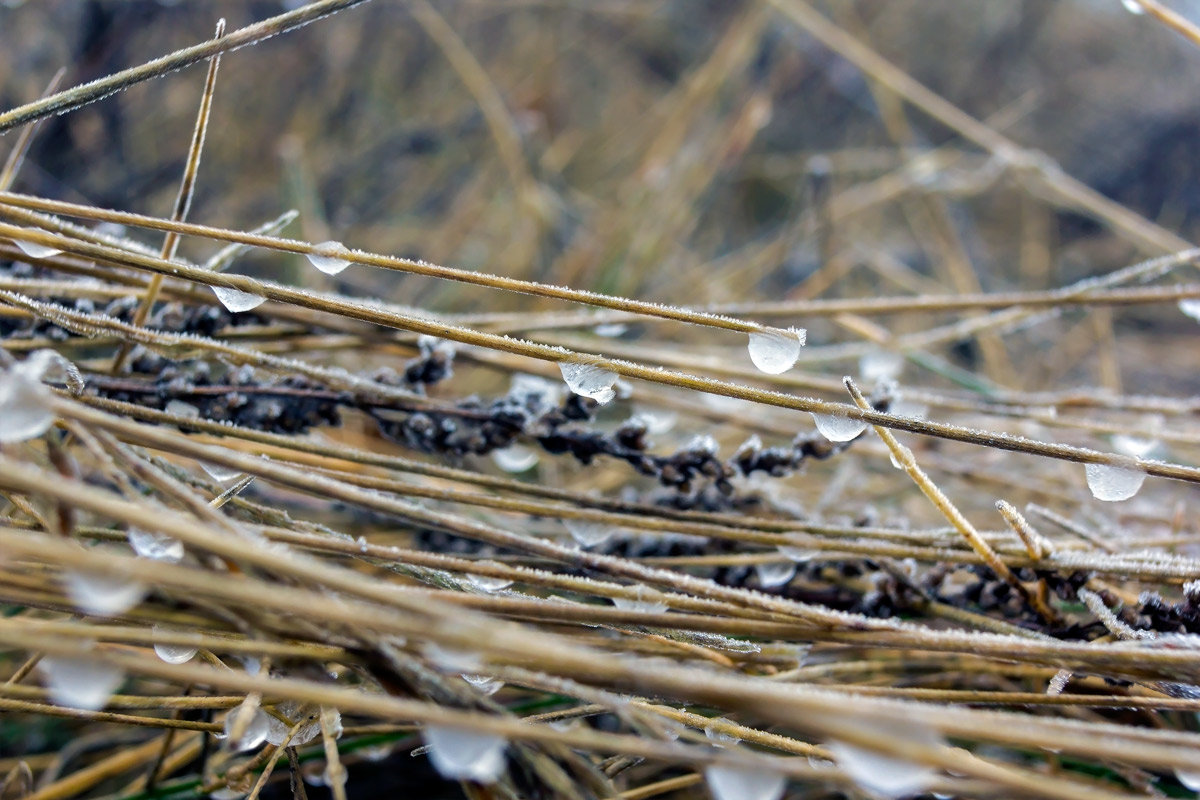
(886, 775)
(235, 300)
(24, 405)
(1191, 307)
(589, 380)
(838, 429)
(155, 546)
(35, 250)
(465, 755)
(739, 783)
(80, 682)
(173, 653)
(587, 532)
(775, 574)
(329, 257)
(1111, 483)
(515, 458)
(102, 595)
(775, 350)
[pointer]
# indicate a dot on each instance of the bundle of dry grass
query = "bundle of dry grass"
(858, 467)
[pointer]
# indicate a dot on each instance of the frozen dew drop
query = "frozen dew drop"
(24, 406)
(311, 729)
(253, 734)
(1191, 780)
(487, 583)
(329, 257)
(463, 755)
(515, 458)
(886, 776)
(235, 300)
(880, 365)
(775, 350)
(589, 380)
(155, 546)
(1111, 483)
(718, 737)
(798, 554)
(1133, 6)
(1191, 307)
(173, 653)
(1133, 445)
(737, 783)
(484, 683)
(80, 682)
(640, 604)
(227, 793)
(838, 429)
(589, 533)
(102, 595)
(219, 472)
(451, 660)
(182, 409)
(35, 250)
(775, 574)
(610, 330)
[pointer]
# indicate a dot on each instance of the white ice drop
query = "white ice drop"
(463, 755)
(1133, 445)
(24, 405)
(329, 257)
(589, 533)
(1191, 307)
(886, 776)
(880, 365)
(80, 682)
(719, 737)
(297, 713)
(102, 595)
(254, 733)
(775, 350)
(451, 660)
(487, 583)
(235, 300)
(648, 606)
(1113, 483)
(515, 458)
(589, 380)
(775, 574)
(838, 429)
(182, 409)
(484, 683)
(155, 546)
(798, 554)
(736, 783)
(1191, 780)
(220, 472)
(173, 653)
(1133, 6)
(35, 250)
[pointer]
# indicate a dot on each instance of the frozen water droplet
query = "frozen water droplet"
(182, 409)
(24, 405)
(451, 660)
(330, 257)
(484, 683)
(737, 783)
(251, 664)
(1133, 445)
(610, 330)
(173, 653)
(650, 606)
(775, 350)
(102, 595)
(884, 775)
(277, 731)
(838, 429)
(1189, 779)
(80, 682)
(219, 472)
(909, 408)
(378, 752)
(1113, 483)
(774, 574)
(657, 422)
(880, 365)
(588, 532)
(487, 583)
(463, 755)
(35, 250)
(227, 793)
(1191, 307)
(235, 300)
(255, 732)
(589, 380)
(717, 737)
(1133, 6)
(155, 546)
(515, 458)
(798, 554)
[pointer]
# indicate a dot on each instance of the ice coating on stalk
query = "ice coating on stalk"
(102, 595)
(1191, 307)
(777, 573)
(1113, 484)
(463, 755)
(515, 458)
(80, 682)
(798, 554)
(329, 257)
(838, 429)
(35, 250)
(155, 546)
(738, 783)
(775, 350)
(589, 380)
(235, 300)
(589, 533)
(484, 683)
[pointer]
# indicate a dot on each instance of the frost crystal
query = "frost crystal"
(235, 300)
(775, 350)
(464, 755)
(155, 546)
(329, 257)
(1113, 483)
(838, 429)
(737, 783)
(80, 682)
(589, 380)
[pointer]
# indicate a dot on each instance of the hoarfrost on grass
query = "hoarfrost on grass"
(463, 755)
(80, 682)
(740, 783)
(775, 350)
(329, 257)
(589, 380)
(1113, 484)
(657, 421)
(838, 429)
(182, 409)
